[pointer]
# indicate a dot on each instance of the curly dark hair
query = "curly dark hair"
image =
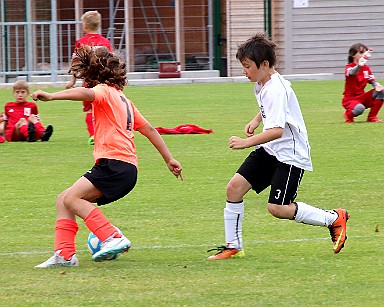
(97, 65)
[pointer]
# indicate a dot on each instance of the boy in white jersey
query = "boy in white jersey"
(281, 156)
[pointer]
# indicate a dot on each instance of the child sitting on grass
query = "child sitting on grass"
(21, 118)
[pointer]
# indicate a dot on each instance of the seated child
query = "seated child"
(22, 118)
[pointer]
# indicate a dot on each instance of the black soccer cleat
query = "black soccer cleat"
(31, 132)
(45, 136)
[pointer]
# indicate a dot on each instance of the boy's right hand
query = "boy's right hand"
(250, 128)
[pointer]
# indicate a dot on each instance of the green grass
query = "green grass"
(171, 224)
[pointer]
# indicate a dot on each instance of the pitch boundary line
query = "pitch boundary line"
(255, 242)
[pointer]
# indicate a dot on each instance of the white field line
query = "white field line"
(248, 243)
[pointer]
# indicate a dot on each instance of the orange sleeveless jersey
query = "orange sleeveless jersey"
(115, 119)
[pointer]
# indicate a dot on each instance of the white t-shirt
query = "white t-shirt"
(279, 107)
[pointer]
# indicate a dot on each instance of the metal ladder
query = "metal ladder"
(116, 30)
(149, 26)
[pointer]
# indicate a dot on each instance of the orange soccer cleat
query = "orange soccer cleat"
(338, 230)
(225, 252)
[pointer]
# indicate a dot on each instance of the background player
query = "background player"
(91, 26)
(357, 75)
(21, 117)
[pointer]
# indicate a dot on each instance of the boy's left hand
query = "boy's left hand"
(235, 142)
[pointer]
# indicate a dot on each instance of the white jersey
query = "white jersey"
(279, 107)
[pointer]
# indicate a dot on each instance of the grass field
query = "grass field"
(171, 224)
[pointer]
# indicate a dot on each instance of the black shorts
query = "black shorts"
(113, 178)
(262, 170)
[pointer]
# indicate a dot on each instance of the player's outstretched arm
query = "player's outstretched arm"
(155, 138)
(76, 94)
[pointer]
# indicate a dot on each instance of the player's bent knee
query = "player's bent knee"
(65, 199)
(21, 122)
(60, 198)
(234, 191)
(358, 109)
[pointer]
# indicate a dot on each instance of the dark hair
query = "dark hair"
(355, 48)
(97, 65)
(258, 49)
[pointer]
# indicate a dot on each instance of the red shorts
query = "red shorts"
(349, 103)
(11, 136)
(87, 106)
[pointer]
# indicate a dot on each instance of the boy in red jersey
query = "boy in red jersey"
(357, 75)
(22, 118)
(115, 171)
(91, 24)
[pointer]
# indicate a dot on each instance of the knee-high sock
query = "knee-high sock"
(377, 104)
(65, 233)
(100, 225)
(24, 130)
(89, 122)
(39, 130)
(233, 224)
(314, 216)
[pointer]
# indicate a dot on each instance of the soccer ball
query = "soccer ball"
(93, 242)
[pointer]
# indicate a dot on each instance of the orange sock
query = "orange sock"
(100, 225)
(65, 232)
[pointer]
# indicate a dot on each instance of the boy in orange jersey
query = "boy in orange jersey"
(21, 117)
(91, 25)
(115, 171)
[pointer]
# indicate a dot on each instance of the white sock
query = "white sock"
(314, 216)
(233, 224)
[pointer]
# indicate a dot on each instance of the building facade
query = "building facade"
(313, 36)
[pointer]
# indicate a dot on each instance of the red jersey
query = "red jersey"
(94, 40)
(115, 118)
(355, 84)
(16, 110)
